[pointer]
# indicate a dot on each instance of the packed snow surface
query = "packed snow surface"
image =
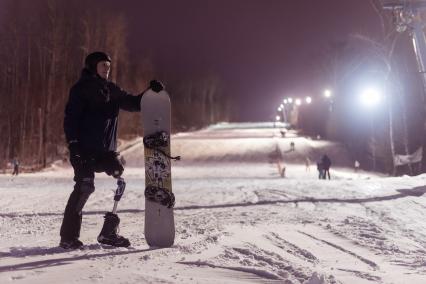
(237, 219)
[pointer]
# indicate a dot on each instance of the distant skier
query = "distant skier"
(320, 168)
(326, 162)
(292, 146)
(90, 125)
(308, 164)
(282, 171)
(356, 166)
(15, 164)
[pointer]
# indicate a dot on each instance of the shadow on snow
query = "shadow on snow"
(58, 261)
(416, 192)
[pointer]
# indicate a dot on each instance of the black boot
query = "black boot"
(70, 244)
(109, 231)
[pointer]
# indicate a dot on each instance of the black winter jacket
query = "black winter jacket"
(91, 113)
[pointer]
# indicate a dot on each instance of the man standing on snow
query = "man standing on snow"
(90, 124)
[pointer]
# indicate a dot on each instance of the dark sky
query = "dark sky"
(261, 49)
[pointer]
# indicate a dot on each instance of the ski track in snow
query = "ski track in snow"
(237, 220)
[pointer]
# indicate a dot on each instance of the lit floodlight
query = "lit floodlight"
(281, 106)
(277, 118)
(327, 93)
(290, 100)
(285, 101)
(298, 102)
(279, 109)
(371, 97)
(308, 100)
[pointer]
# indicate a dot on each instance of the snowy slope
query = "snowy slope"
(237, 220)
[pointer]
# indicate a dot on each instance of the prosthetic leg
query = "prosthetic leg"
(109, 233)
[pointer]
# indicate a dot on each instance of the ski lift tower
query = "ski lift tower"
(407, 17)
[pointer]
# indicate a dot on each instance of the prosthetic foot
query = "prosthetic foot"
(109, 234)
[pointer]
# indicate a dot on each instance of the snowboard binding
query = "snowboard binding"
(157, 140)
(160, 195)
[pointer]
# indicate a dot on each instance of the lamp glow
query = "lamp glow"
(327, 93)
(370, 97)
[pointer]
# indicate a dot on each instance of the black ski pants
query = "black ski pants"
(84, 175)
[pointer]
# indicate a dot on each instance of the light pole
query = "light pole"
(370, 98)
(328, 96)
(277, 119)
(284, 110)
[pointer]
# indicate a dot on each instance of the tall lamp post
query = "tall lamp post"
(328, 96)
(283, 110)
(370, 97)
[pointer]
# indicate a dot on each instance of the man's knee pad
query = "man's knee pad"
(86, 187)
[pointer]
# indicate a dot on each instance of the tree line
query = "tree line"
(43, 44)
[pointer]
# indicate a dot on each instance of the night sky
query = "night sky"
(261, 49)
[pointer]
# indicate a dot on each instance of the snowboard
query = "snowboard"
(159, 199)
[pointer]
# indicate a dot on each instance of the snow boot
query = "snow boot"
(70, 244)
(108, 235)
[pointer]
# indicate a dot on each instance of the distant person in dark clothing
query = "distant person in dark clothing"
(90, 125)
(292, 146)
(326, 164)
(320, 168)
(15, 164)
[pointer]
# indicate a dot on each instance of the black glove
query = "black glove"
(112, 164)
(156, 86)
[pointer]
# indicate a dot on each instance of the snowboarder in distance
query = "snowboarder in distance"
(281, 169)
(292, 146)
(320, 168)
(326, 162)
(356, 166)
(15, 164)
(90, 125)
(308, 164)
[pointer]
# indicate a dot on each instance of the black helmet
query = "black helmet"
(94, 58)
